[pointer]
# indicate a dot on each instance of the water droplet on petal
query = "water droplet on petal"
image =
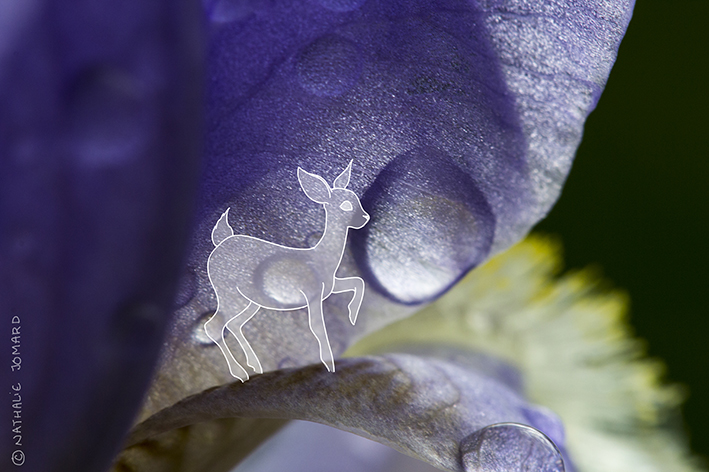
(510, 447)
(228, 11)
(281, 279)
(108, 124)
(430, 225)
(313, 238)
(199, 334)
(547, 422)
(288, 362)
(329, 67)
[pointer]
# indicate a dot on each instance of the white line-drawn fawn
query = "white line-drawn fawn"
(249, 273)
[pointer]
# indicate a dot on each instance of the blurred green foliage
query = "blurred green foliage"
(637, 200)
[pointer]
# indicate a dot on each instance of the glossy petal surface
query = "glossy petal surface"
(461, 119)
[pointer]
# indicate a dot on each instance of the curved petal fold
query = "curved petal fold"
(440, 410)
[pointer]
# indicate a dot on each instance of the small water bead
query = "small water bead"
(313, 239)
(288, 362)
(329, 66)
(282, 279)
(229, 11)
(198, 332)
(109, 124)
(510, 447)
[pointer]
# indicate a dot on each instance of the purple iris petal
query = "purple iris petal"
(490, 94)
(409, 85)
(461, 119)
(303, 446)
(99, 130)
(100, 108)
(440, 410)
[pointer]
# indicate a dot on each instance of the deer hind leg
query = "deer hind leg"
(317, 326)
(235, 324)
(214, 327)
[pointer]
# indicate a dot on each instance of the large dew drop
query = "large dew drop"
(510, 447)
(430, 225)
(329, 67)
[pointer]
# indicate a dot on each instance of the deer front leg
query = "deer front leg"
(317, 326)
(235, 324)
(214, 327)
(356, 285)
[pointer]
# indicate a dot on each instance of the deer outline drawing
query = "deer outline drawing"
(248, 273)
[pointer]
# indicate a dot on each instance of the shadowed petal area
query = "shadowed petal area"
(100, 117)
(437, 410)
(302, 446)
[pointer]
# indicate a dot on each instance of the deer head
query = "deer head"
(338, 201)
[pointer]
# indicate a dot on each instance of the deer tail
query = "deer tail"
(222, 230)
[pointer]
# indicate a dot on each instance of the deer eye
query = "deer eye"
(347, 206)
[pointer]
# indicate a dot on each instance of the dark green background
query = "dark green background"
(637, 200)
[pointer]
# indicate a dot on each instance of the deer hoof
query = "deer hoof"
(242, 375)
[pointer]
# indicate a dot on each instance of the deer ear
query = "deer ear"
(343, 179)
(314, 186)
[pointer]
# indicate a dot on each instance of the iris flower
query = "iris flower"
(127, 129)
